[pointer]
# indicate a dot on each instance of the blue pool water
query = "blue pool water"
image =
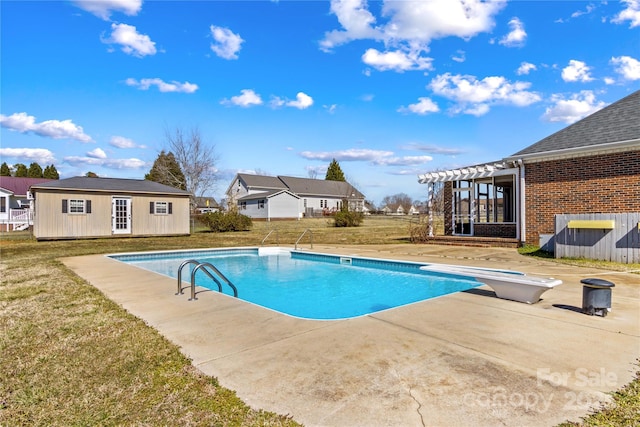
(309, 285)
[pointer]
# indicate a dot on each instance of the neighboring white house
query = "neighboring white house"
(285, 197)
(206, 204)
(398, 209)
(16, 205)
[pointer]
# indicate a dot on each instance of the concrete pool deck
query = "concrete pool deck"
(463, 359)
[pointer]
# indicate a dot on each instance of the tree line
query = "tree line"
(33, 171)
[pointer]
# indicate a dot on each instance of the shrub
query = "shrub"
(346, 218)
(226, 221)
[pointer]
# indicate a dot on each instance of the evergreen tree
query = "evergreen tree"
(4, 169)
(21, 170)
(91, 175)
(35, 171)
(50, 172)
(334, 172)
(167, 171)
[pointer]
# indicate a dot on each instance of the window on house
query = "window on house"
(243, 205)
(261, 204)
(3, 204)
(494, 201)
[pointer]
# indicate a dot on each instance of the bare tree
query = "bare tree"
(196, 159)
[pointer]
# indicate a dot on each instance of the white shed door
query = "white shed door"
(121, 215)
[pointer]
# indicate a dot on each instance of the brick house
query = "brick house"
(591, 166)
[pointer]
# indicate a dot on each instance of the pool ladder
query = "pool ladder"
(205, 267)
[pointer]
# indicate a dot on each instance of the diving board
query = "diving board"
(506, 284)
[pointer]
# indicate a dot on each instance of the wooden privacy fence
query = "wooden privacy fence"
(607, 237)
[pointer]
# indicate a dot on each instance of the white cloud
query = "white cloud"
(432, 149)
(375, 157)
(396, 60)
(476, 96)
(516, 36)
(330, 108)
(302, 101)
(409, 28)
(247, 98)
(460, 56)
(132, 42)
(97, 153)
(572, 109)
(417, 23)
(122, 142)
(56, 129)
(631, 13)
(38, 155)
(104, 8)
(423, 106)
(106, 163)
(174, 86)
(576, 71)
(590, 8)
(353, 154)
(356, 21)
(403, 161)
(525, 68)
(627, 67)
(226, 44)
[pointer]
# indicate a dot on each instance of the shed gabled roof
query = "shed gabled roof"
(119, 185)
(19, 186)
(616, 123)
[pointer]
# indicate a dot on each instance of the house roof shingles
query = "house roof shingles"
(19, 186)
(618, 122)
(300, 186)
(80, 183)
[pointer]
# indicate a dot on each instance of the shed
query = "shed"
(83, 207)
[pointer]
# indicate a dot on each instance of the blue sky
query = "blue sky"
(390, 89)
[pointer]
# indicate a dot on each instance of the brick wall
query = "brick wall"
(447, 195)
(494, 230)
(608, 183)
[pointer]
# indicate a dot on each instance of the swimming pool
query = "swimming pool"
(307, 284)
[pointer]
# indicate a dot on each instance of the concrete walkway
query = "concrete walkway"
(463, 359)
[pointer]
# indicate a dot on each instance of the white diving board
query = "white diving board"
(506, 284)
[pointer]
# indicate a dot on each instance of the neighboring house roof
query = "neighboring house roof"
(19, 186)
(616, 123)
(266, 194)
(81, 183)
(321, 187)
(201, 202)
(300, 186)
(261, 181)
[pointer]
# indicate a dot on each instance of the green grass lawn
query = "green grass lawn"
(70, 356)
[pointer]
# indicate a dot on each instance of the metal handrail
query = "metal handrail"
(189, 261)
(269, 234)
(204, 266)
(302, 235)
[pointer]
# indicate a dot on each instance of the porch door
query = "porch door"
(462, 210)
(121, 215)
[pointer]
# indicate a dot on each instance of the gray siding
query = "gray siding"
(620, 244)
(284, 205)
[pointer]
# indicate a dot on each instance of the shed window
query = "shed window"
(160, 208)
(76, 206)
